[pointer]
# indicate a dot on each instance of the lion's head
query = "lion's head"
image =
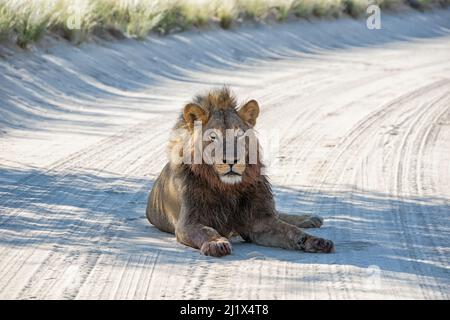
(215, 139)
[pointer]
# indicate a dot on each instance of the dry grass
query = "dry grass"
(26, 21)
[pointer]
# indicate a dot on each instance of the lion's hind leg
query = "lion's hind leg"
(302, 221)
(273, 232)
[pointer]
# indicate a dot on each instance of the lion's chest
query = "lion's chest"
(226, 214)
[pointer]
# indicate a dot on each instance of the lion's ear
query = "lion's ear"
(193, 112)
(249, 112)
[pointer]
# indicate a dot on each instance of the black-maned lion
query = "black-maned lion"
(204, 204)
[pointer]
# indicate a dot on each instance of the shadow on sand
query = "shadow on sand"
(105, 214)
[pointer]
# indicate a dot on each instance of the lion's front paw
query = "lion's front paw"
(314, 244)
(216, 248)
(311, 222)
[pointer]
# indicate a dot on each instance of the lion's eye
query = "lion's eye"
(212, 136)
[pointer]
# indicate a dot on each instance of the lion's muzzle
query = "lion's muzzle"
(230, 173)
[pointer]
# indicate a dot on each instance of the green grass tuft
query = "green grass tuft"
(27, 21)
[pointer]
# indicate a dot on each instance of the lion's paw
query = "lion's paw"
(216, 248)
(314, 244)
(311, 222)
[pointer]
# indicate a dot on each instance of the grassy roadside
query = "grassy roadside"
(26, 21)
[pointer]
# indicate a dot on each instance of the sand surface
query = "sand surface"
(364, 124)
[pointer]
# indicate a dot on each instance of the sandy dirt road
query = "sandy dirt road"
(364, 122)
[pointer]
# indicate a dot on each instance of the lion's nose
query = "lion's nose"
(230, 161)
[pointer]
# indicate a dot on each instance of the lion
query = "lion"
(205, 204)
